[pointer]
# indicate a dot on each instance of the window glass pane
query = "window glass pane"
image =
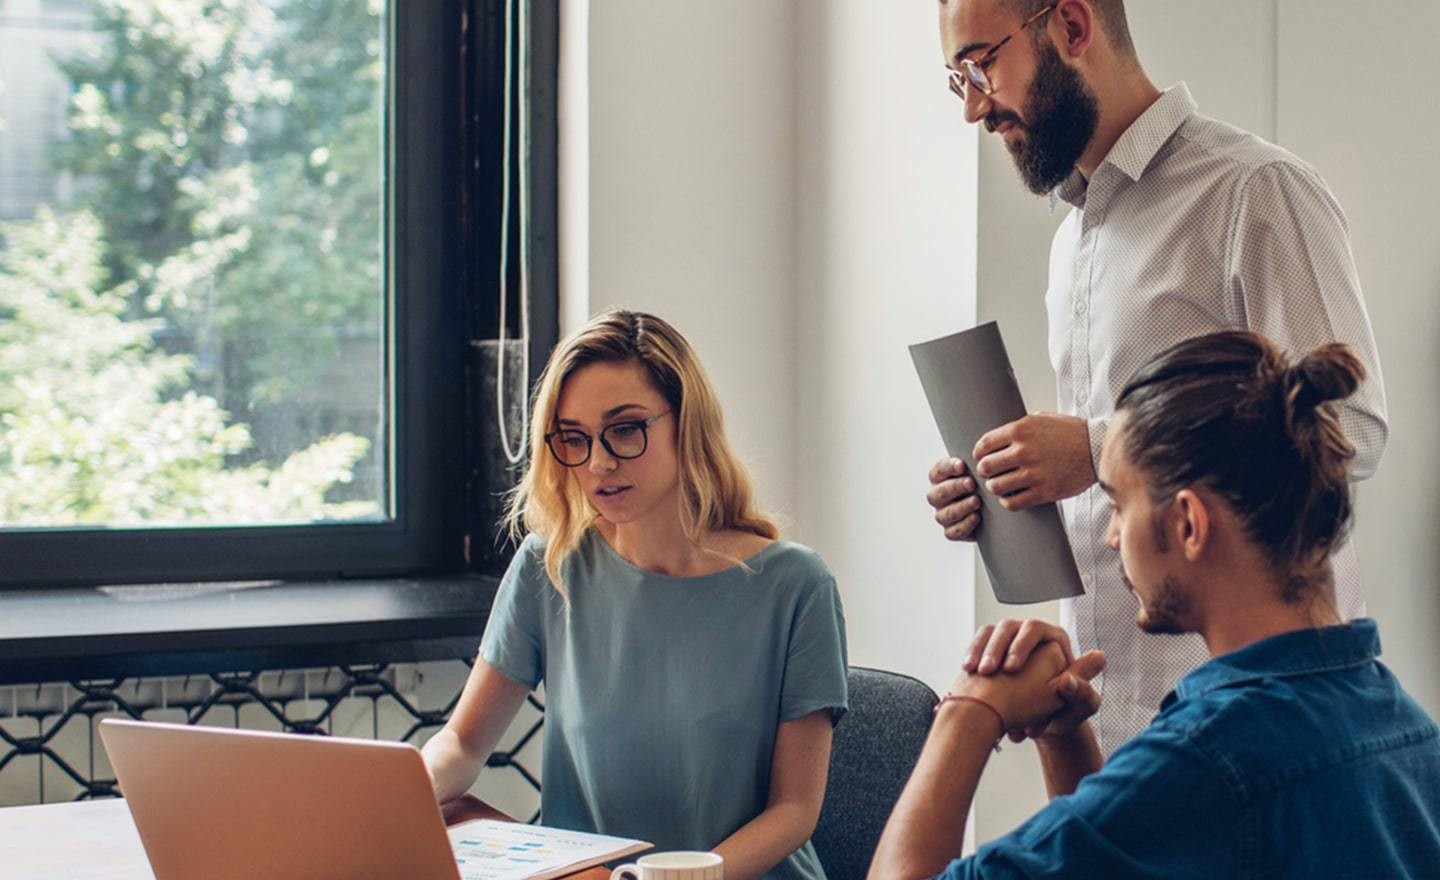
(193, 263)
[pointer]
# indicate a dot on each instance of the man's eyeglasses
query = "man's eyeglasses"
(623, 440)
(972, 71)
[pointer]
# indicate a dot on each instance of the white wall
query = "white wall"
(887, 244)
(692, 199)
(744, 183)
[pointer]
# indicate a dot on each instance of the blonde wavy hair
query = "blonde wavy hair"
(715, 488)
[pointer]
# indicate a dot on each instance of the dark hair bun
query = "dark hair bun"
(1331, 372)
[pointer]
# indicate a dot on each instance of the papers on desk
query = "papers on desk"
(489, 850)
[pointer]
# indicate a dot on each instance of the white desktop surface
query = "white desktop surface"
(90, 840)
(84, 840)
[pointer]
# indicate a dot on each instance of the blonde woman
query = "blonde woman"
(694, 664)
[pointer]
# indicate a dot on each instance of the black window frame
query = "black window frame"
(445, 98)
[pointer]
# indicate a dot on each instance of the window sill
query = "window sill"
(165, 629)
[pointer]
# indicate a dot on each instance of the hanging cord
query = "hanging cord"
(516, 27)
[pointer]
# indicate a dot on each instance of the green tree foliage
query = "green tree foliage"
(239, 143)
(225, 236)
(98, 427)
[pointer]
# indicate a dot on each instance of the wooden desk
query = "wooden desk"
(89, 840)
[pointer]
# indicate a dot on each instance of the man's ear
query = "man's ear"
(1072, 27)
(1192, 524)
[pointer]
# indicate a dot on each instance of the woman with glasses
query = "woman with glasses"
(694, 664)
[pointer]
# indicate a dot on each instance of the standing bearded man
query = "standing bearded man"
(1180, 226)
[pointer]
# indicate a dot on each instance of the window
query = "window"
(249, 266)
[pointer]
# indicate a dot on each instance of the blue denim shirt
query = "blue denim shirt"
(1297, 756)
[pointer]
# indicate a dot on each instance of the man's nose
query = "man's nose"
(977, 105)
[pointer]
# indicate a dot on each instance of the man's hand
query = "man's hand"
(1008, 645)
(952, 494)
(925, 830)
(1080, 697)
(1034, 460)
(1025, 697)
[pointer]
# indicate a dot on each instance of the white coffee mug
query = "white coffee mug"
(674, 866)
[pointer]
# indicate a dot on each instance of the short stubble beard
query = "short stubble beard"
(1167, 611)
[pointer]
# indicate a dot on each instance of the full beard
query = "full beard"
(1063, 114)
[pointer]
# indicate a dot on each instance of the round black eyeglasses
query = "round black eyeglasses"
(623, 440)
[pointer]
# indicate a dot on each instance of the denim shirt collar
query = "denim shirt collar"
(1138, 146)
(1294, 653)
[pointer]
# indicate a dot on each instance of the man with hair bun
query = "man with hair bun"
(1292, 752)
(1180, 225)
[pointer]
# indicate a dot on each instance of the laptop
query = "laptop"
(224, 804)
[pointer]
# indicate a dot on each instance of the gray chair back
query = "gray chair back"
(875, 747)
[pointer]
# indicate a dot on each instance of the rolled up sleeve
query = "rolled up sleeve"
(1158, 808)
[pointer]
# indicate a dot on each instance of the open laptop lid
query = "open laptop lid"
(222, 804)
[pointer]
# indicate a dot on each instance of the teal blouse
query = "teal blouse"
(663, 694)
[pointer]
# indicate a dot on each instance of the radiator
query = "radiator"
(50, 748)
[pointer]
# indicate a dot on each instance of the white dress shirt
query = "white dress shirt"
(1189, 226)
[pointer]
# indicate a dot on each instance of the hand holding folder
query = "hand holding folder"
(971, 389)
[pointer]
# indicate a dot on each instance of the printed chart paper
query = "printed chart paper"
(489, 850)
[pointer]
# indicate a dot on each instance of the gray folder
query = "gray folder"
(971, 389)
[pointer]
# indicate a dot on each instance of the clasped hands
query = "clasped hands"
(1028, 673)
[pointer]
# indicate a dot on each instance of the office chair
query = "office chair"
(875, 747)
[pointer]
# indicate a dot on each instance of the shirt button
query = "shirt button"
(1080, 306)
(1081, 396)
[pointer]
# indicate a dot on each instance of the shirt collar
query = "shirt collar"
(1301, 652)
(1138, 146)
